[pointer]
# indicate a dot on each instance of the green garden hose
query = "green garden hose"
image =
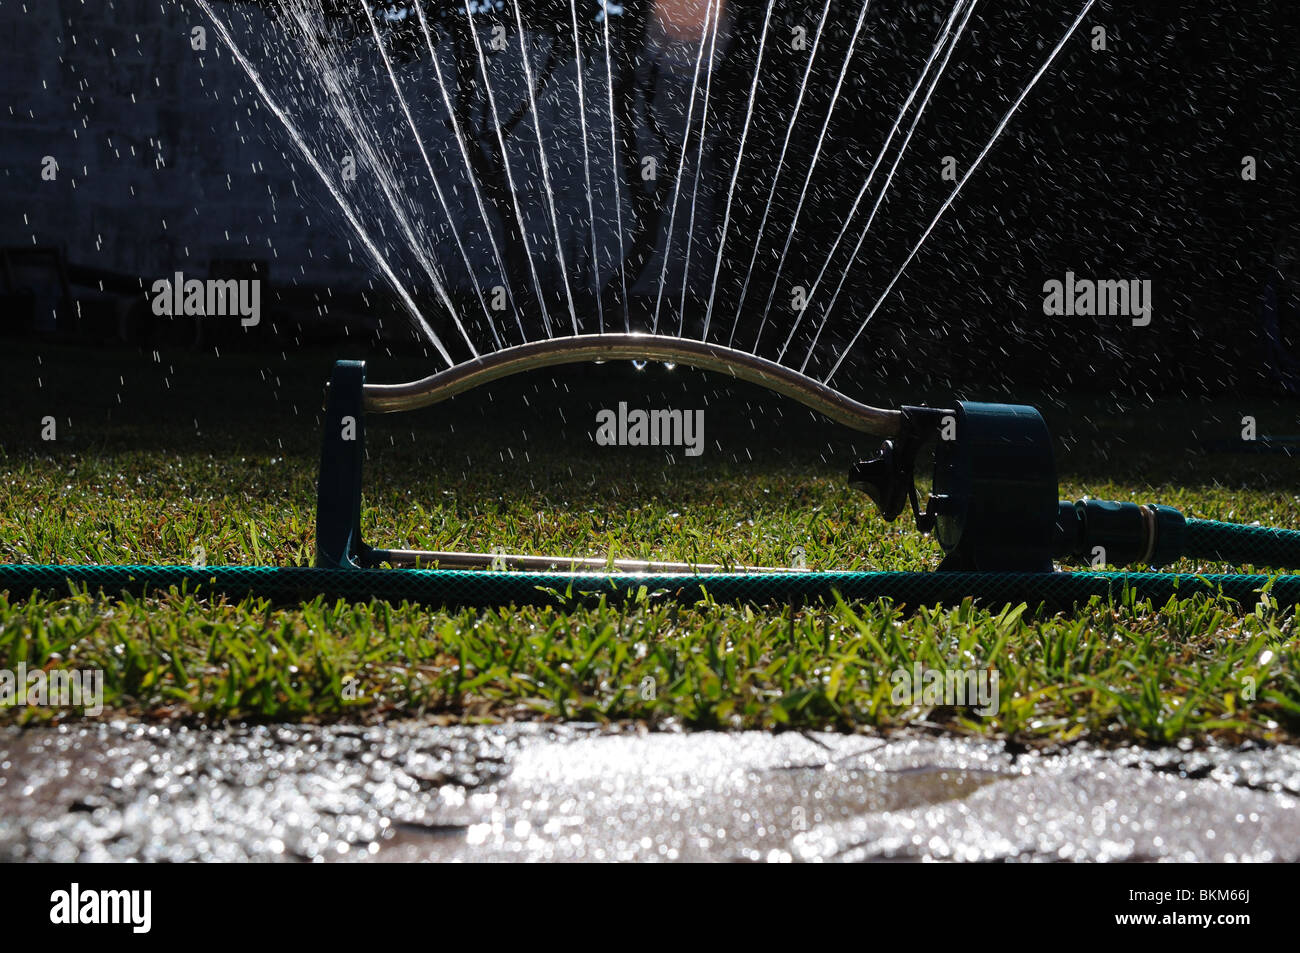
(1055, 591)
(1240, 544)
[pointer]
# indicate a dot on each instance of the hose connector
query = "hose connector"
(1106, 532)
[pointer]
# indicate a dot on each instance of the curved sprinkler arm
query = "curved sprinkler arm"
(888, 479)
(390, 398)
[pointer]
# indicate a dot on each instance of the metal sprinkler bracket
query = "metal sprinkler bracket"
(993, 503)
(338, 502)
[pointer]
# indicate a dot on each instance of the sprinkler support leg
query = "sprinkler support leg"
(338, 494)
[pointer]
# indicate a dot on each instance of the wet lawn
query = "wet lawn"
(185, 456)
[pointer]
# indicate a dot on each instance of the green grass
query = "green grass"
(156, 458)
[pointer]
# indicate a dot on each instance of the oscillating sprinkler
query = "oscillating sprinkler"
(993, 506)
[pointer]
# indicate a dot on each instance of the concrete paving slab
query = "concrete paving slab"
(414, 791)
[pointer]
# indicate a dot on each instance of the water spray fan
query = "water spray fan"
(991, 502)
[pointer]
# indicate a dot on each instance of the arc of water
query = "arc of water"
(613, 167)
(510, 177)
(586, 166)
(699, 165)
(812, 167)
(469, 168)
(364, 137)
(884, 189)
(940, 46)
(346, 207)
(437, 187)
(546, 169)
(735, 172)
(997, 132)
(780, 164)
(710, 7)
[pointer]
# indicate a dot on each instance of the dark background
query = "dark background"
(1123, 163)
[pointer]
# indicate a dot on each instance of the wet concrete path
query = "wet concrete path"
(412, 791)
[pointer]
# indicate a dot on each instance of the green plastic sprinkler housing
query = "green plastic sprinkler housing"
(994, 501)
(994, 504)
